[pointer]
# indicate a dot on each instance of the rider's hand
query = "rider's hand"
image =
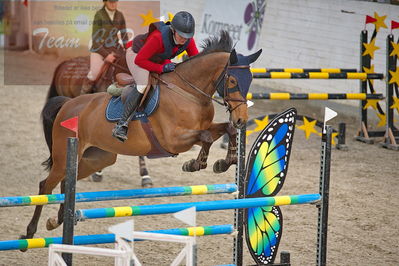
(110, 58)
(168, 68)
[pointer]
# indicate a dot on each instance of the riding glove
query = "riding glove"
(168, 68)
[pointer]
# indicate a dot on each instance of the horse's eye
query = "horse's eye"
(232, 81)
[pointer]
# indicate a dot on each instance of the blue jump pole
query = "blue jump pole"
(200, 206)
(110, 238)
(119, 194)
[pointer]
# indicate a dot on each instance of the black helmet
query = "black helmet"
(184, 24)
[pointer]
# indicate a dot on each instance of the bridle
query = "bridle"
(223, 93)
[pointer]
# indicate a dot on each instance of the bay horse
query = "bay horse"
(68, 80)
(184, 118)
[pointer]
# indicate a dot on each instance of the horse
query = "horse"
(68, 80)
(184, 118)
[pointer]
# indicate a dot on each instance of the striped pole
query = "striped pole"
(313, 75)
(303, 70)
(200, 206)
(110, 238)
(119, 194)
(314, 96)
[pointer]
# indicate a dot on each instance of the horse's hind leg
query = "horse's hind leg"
(93, 159)
(45, 187)
(146, 181)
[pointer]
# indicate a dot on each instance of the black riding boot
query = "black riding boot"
(131, 104)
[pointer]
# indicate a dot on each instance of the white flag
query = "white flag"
(328, 115)
(123, 230)
(187, 216)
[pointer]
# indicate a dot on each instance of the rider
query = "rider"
(108, 21)
(152, 52)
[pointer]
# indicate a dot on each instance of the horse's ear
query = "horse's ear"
(252, 58)
(233, 57)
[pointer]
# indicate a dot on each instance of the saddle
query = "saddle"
(147, 106)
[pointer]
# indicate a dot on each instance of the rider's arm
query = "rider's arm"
(97, 36)
(152, 46)
(192, 48)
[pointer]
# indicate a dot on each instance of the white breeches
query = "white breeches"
(96, 63)
(139, 74)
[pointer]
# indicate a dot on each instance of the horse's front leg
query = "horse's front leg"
(223, 165)
(205, 137)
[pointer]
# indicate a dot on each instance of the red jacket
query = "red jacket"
(154, 45)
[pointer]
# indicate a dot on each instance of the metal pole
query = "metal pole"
(321, 256)
(70, 189)
(239, 213)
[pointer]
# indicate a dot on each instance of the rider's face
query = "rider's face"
(111, 6)
(179, 39)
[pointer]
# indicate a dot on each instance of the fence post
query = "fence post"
(70, 190)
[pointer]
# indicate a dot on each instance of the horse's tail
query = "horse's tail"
(48, 115)
(52, 92)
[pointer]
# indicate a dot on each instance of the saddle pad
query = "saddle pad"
(114, 109)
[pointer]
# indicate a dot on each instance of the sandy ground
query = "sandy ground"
(364, 208)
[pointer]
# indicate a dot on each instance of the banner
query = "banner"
(63, 29)
(243, 20)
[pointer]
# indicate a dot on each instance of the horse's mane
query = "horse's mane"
(213, 44)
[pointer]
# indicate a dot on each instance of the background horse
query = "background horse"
(184, 118)
(68, 80)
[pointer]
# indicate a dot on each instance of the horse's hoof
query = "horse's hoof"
(221, 166)
(97, 177)
(23, 237)
(52, 223)
(146, 181)
(191, 166)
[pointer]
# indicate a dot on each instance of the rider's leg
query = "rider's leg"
(96, 63)
(131, 104)
(140, 76)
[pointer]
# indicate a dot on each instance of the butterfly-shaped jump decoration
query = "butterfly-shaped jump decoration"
(266, 170)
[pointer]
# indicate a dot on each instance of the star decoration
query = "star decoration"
(395, 50)
(383, 120)
(371, 103)
(395, 103)
(333, 136)
(170, 17)
(369, 71)
(370, 48)
(395, 76)
(261, 124)
(380, 23)
(308, 127)
(148, 18)
(249, 132)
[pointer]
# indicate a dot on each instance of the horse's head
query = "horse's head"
(237, 79)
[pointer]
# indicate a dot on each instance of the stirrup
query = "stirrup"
(120, 131)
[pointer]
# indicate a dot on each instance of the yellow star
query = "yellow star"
(333, 136)
(308, 127)
(370, 48)
(383, 120)
(249, 132)
(395, 76)
(380, 22)
(261, 124)
(369, 71)
(395, 50)
(170, 17)
(395, 103)
(148, 18)
(371, 103)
